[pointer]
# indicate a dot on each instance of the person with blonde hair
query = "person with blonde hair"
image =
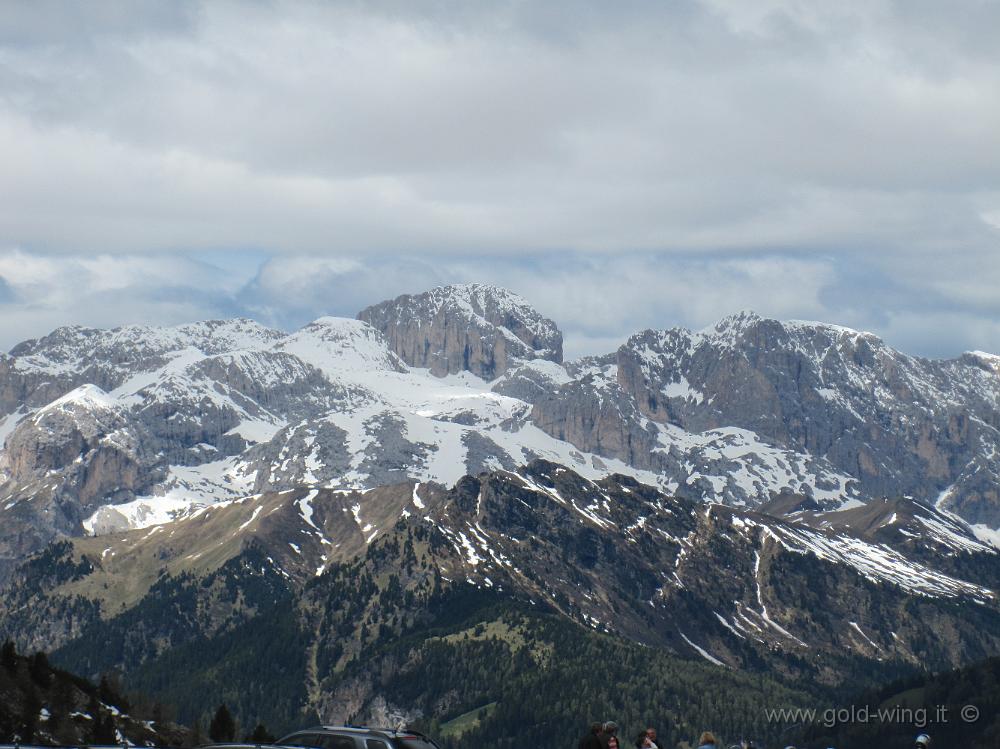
(707, 741)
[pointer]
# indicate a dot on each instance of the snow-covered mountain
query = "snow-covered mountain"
(782, 498)
(110, 429)
(900, 425)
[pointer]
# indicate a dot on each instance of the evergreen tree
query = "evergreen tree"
(94, 711)
(104, 729)
(261, 735)
(110, 692)
(63, 698)
(30, 712)
(40, 670)
(7, 727)
(222, 727)
(8, 656)
(197, 733)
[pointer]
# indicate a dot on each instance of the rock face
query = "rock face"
(474, 328)
(63, 462)
(594, 412)
(900, 424)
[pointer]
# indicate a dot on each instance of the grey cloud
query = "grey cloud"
(683, 153)
(510, 127)
(597, 299)
(6, 292)
(47, 292)
(45, 23)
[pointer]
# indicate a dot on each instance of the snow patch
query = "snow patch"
(702, 652)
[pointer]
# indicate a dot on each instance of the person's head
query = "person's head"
(611, 728)
(651, 734)
(595, 728)
(923, 741)
(707, 739)
(612, 742)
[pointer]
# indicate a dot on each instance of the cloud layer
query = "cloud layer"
(597, 299)
(676, 160)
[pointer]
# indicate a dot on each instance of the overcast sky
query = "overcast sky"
(621, 165)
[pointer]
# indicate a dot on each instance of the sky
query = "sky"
(621, 165)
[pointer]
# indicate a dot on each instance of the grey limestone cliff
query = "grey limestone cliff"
(470, 327)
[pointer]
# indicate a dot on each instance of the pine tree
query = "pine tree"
(222, 727)
(8, 656)
(110, 692)
(63, 698)
(261, 735)
(104, 729)
(197, 734)
(32, 708)
(40, 670)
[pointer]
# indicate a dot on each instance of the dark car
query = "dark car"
(357, 737)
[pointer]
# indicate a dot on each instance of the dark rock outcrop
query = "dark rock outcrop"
(470, 327)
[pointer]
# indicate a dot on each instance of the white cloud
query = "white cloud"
(675, 160)
(46, 292)
(597, 300)
(393, 127)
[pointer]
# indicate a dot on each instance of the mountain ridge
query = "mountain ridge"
(735, 412)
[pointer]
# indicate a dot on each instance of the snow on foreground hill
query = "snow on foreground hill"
(128, 427)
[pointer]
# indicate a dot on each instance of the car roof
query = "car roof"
(390, 732)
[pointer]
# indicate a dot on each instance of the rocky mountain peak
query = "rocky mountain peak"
(901, 424)
(983, 360)
(465, 327)
(736, 322)
(749, 328)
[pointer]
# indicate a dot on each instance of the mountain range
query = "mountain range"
(790, 499)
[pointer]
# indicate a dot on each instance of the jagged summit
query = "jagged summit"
(747, 328)
(467, 327)
(735, 322)
(747, 321)
(704, 492)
